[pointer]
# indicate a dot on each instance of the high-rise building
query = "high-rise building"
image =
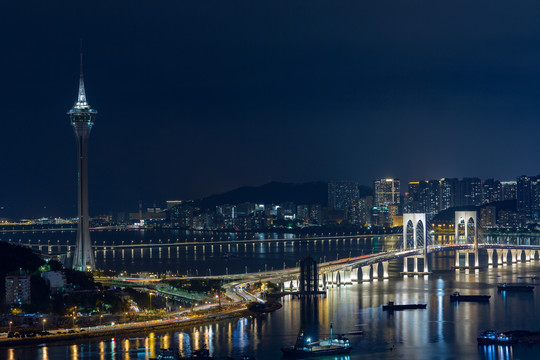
(315, 214)
(17, 290)
(471, 192)
(535, 197)
(431, 198)
(387, 192)
(365, 205)
(173, 203)
(448, 189)
(491, 191)
(341, 194)
(488, 216)
(181, 215)
(302, 213)
(82, 118)
(508, 190)
(524, 196)
(412, 200)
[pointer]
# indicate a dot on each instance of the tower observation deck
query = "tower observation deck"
(82, 119)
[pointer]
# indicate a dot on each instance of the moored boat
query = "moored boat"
(522, 288)
(493, 337)
(169, 354)
(393, 307)
(459, 297)
(304, 348)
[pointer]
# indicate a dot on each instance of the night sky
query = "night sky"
(201, 97)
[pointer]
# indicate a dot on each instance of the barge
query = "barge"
(472, 298)
(493, 337)
(520, 288)
(393, 307)
(304, 348)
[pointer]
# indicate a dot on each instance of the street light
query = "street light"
(44, 321)
(100, 318)
(10, 323)
(150, 299)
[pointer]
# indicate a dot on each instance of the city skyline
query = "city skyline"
(163, 204)
(205, 106)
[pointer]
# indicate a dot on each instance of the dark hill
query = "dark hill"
(448, 214)
(15, 257)
(275, 193)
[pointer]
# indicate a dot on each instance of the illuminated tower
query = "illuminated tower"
(82, 118)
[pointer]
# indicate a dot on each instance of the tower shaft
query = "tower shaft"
(84, 254)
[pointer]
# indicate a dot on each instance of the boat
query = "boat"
(169, 354)
(201, 354)
(493, 337)
(522, 288)
(266, 307)
(479, 298)
(304, 348)
(393, 307)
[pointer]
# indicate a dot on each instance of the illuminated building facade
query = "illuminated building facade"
(387, 192)
(17, 290)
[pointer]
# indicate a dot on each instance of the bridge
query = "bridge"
(416, 246)
(201, 243)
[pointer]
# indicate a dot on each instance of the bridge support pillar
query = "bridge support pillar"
(514, 255)
(415, 264)
(405, 264)
(375, 270)
(426, 264)
(467, 259)
(354, 275)
(490, 256)
(527, 255)
(457, 258)
(366, 276)
(505, 256)
(347, 277)
(385, 269)
(499, 256)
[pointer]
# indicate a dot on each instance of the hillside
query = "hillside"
(275, 193)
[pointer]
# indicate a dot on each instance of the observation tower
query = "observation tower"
(82, 119)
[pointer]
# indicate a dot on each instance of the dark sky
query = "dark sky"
(200, 97)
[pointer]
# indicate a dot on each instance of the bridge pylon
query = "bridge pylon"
(470, 237)
(414, 230)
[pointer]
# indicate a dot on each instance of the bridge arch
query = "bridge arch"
(415, 225)
(408, 231)
(470, 228)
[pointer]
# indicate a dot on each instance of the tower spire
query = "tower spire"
(81, 98)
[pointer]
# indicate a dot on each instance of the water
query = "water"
(204, 258)
(443, 331)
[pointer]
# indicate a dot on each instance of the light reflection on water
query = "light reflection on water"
(443, 330)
